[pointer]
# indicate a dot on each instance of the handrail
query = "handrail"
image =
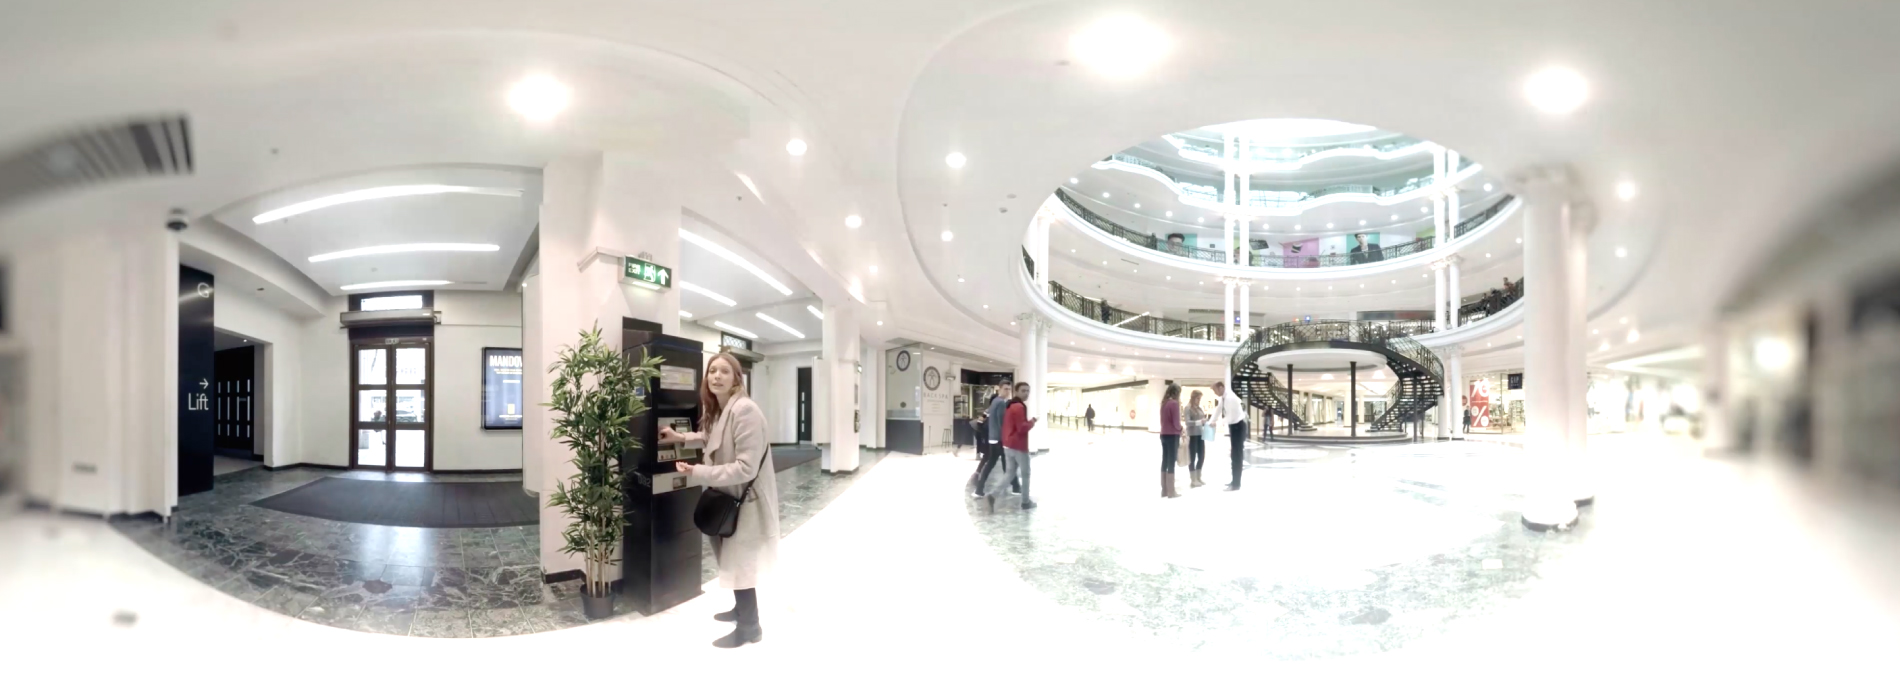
(1260, 260)
(1276, 199)
(1491, 303)
(1262, 152)
(1395, 335)
(1097, 310)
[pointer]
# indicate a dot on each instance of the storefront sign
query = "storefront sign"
(643, 272)
(1480, 403)
(501, 389)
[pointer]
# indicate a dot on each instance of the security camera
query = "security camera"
(177, 221)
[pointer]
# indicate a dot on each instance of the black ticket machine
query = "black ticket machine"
(660, 557)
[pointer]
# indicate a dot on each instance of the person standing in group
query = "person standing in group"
(1170, 437)
(1088, 416)
(1016, 426)
(993, 422)
(1465, 403)
(738, 462)
(1197, 425)
(1230, 414)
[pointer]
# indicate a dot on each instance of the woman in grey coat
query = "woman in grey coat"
(735, 453)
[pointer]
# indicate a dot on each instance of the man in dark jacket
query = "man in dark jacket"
(993, 449)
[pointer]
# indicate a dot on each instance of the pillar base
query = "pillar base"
(1547, 514)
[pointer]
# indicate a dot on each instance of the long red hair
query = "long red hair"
(709, 406)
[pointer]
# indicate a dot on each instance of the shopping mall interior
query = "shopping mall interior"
(1496, 341)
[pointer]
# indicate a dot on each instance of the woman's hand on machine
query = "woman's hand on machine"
(685, 469)
(670, 436)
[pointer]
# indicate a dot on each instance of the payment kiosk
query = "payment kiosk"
(660, 564)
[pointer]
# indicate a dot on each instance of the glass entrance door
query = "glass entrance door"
(391, 426)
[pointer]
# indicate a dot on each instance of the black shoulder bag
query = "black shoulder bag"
(717, 513)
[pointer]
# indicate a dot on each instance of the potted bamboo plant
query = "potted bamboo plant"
(595, 395)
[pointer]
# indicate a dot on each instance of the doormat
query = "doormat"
(412, 505)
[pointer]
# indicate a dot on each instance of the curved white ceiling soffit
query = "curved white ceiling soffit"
(1295, 209)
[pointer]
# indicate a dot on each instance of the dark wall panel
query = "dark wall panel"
(197, 351)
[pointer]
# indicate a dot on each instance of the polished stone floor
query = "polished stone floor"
(427, 582)
(1324, 552)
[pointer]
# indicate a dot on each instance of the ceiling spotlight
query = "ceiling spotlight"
(1487, 187)
(1395, 217)
(1119, 46)
(986, 306)
(1593, 332)
(1073, 180)
(402, 248)
(1362, 223)
(1626, 190)
(1423, 210)
(946, 235)
(1487, 255)
(959, 279)
(795, 146)
(1622, 252)
(1170, 278)
(880, 323)
(1625, 320)
(1557, 90)
(1326, 376)
(1329, 225)
(1520, 240)
(1296, 228)
(955, 160)
(539, 98)
(1104, 194)
(1170, 213)
(853, 221)
(1137, 205)
(1604, 346)
(874, 269)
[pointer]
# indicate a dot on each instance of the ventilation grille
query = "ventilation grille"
(151, 147)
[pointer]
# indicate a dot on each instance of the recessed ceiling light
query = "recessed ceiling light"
(1395, 217)
(1362, 223)
(955, 160)
(1170, 213)
(1137, 205)
(708, 293)
(1329, 225)
(1296, 228)
(1626, 190)
(1622, 252)
(946, 235)
(1593, 332)
(1487, 187)
(686, 315)
(1170, 278)
(1487, 255)
(1625, 320)
(1423, 210)
(1395, 281)
(402, 248)
(874, 269)
(959, 279)
(1073, 180)
(986, 306)
(1326, 376)
(735, 259)
(1119, 46)
(814, 311)
(539, 98)
(880, 323)
(395, 284)
(1104, 194)
(735, 330)
(1557, 90)
(1520, 240)
(853, 221)
(1104, 262)
(374, 193)
(1200, 219)
(795, 147)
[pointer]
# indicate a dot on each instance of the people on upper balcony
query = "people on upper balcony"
(1365, 250)
(1177, 244)
(1105, 316)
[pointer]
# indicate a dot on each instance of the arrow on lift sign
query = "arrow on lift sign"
(202, 384)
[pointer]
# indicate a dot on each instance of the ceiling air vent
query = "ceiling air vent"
(147, 147)
(403, 316)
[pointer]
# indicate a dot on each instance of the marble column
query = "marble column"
(841, 359)
(1245, 288)
(1555, 409)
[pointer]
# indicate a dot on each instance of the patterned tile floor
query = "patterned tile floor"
(1325, 552)
(425, 582)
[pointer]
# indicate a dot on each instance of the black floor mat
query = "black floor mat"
(414, 505)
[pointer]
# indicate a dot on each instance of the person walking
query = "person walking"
(1016, 427)
(993, 421)
(738, 462)
(1197, 426)
(1088, 416)
(1230, 414)
(1465, 403)
(1170, 437)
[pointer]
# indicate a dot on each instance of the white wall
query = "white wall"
(777, 379)
(471, 321)
(324, 406)
(280, 398)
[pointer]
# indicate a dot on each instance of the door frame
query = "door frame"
(391, 344)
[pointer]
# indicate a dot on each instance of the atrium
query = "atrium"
(1250, 342)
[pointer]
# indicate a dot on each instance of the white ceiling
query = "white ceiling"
(1735, 120)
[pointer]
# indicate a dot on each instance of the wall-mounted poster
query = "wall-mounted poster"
(1479, 401)
(501, 389)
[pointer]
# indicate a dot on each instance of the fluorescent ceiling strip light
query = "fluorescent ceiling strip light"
(782, 326)
(686, 315)
(815, 312)
(374, 193)
(708, 293)
(735, 259)
(1130, 319)
(396, 284)
(734, 330)
(402, 248)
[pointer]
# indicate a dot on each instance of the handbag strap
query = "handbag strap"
(755, 478)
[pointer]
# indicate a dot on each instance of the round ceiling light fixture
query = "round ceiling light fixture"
(539, 98)
(1557, 90)
(956, 161)
(947, 235)
(1626, 190)
(1119, 46)
(853, 221)
(796, 147)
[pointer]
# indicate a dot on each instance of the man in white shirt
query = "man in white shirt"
(1232, 414)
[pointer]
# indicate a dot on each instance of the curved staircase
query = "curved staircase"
(1420, 375)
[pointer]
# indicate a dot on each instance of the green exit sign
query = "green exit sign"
(644, 272)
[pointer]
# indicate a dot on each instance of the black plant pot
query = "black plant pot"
(597, 607)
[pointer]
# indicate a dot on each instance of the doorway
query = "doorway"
(804, 404)
(235, 372)
(392, 426)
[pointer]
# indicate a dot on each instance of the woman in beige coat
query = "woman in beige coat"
(735, 453)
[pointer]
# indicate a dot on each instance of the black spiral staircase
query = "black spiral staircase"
(1417, 389)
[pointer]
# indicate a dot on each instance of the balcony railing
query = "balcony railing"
(1490, 303)
(1284, 154)
(1099, 311)
(1267, 260)
(1276, 199)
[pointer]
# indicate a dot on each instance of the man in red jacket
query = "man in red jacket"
(1016, 427)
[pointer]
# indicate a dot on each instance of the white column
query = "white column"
(1455, 391)
(842, 352)
(1442, 230)
(1028, 360)
(1039, 389)
(1446, 394)
(1554, 386)
(1038, 247)
(1246, 222)
(1438, 291)
(1715, 386)
(1227, 310)
(1456, 296)
(1451, 212)
(1245, 287)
